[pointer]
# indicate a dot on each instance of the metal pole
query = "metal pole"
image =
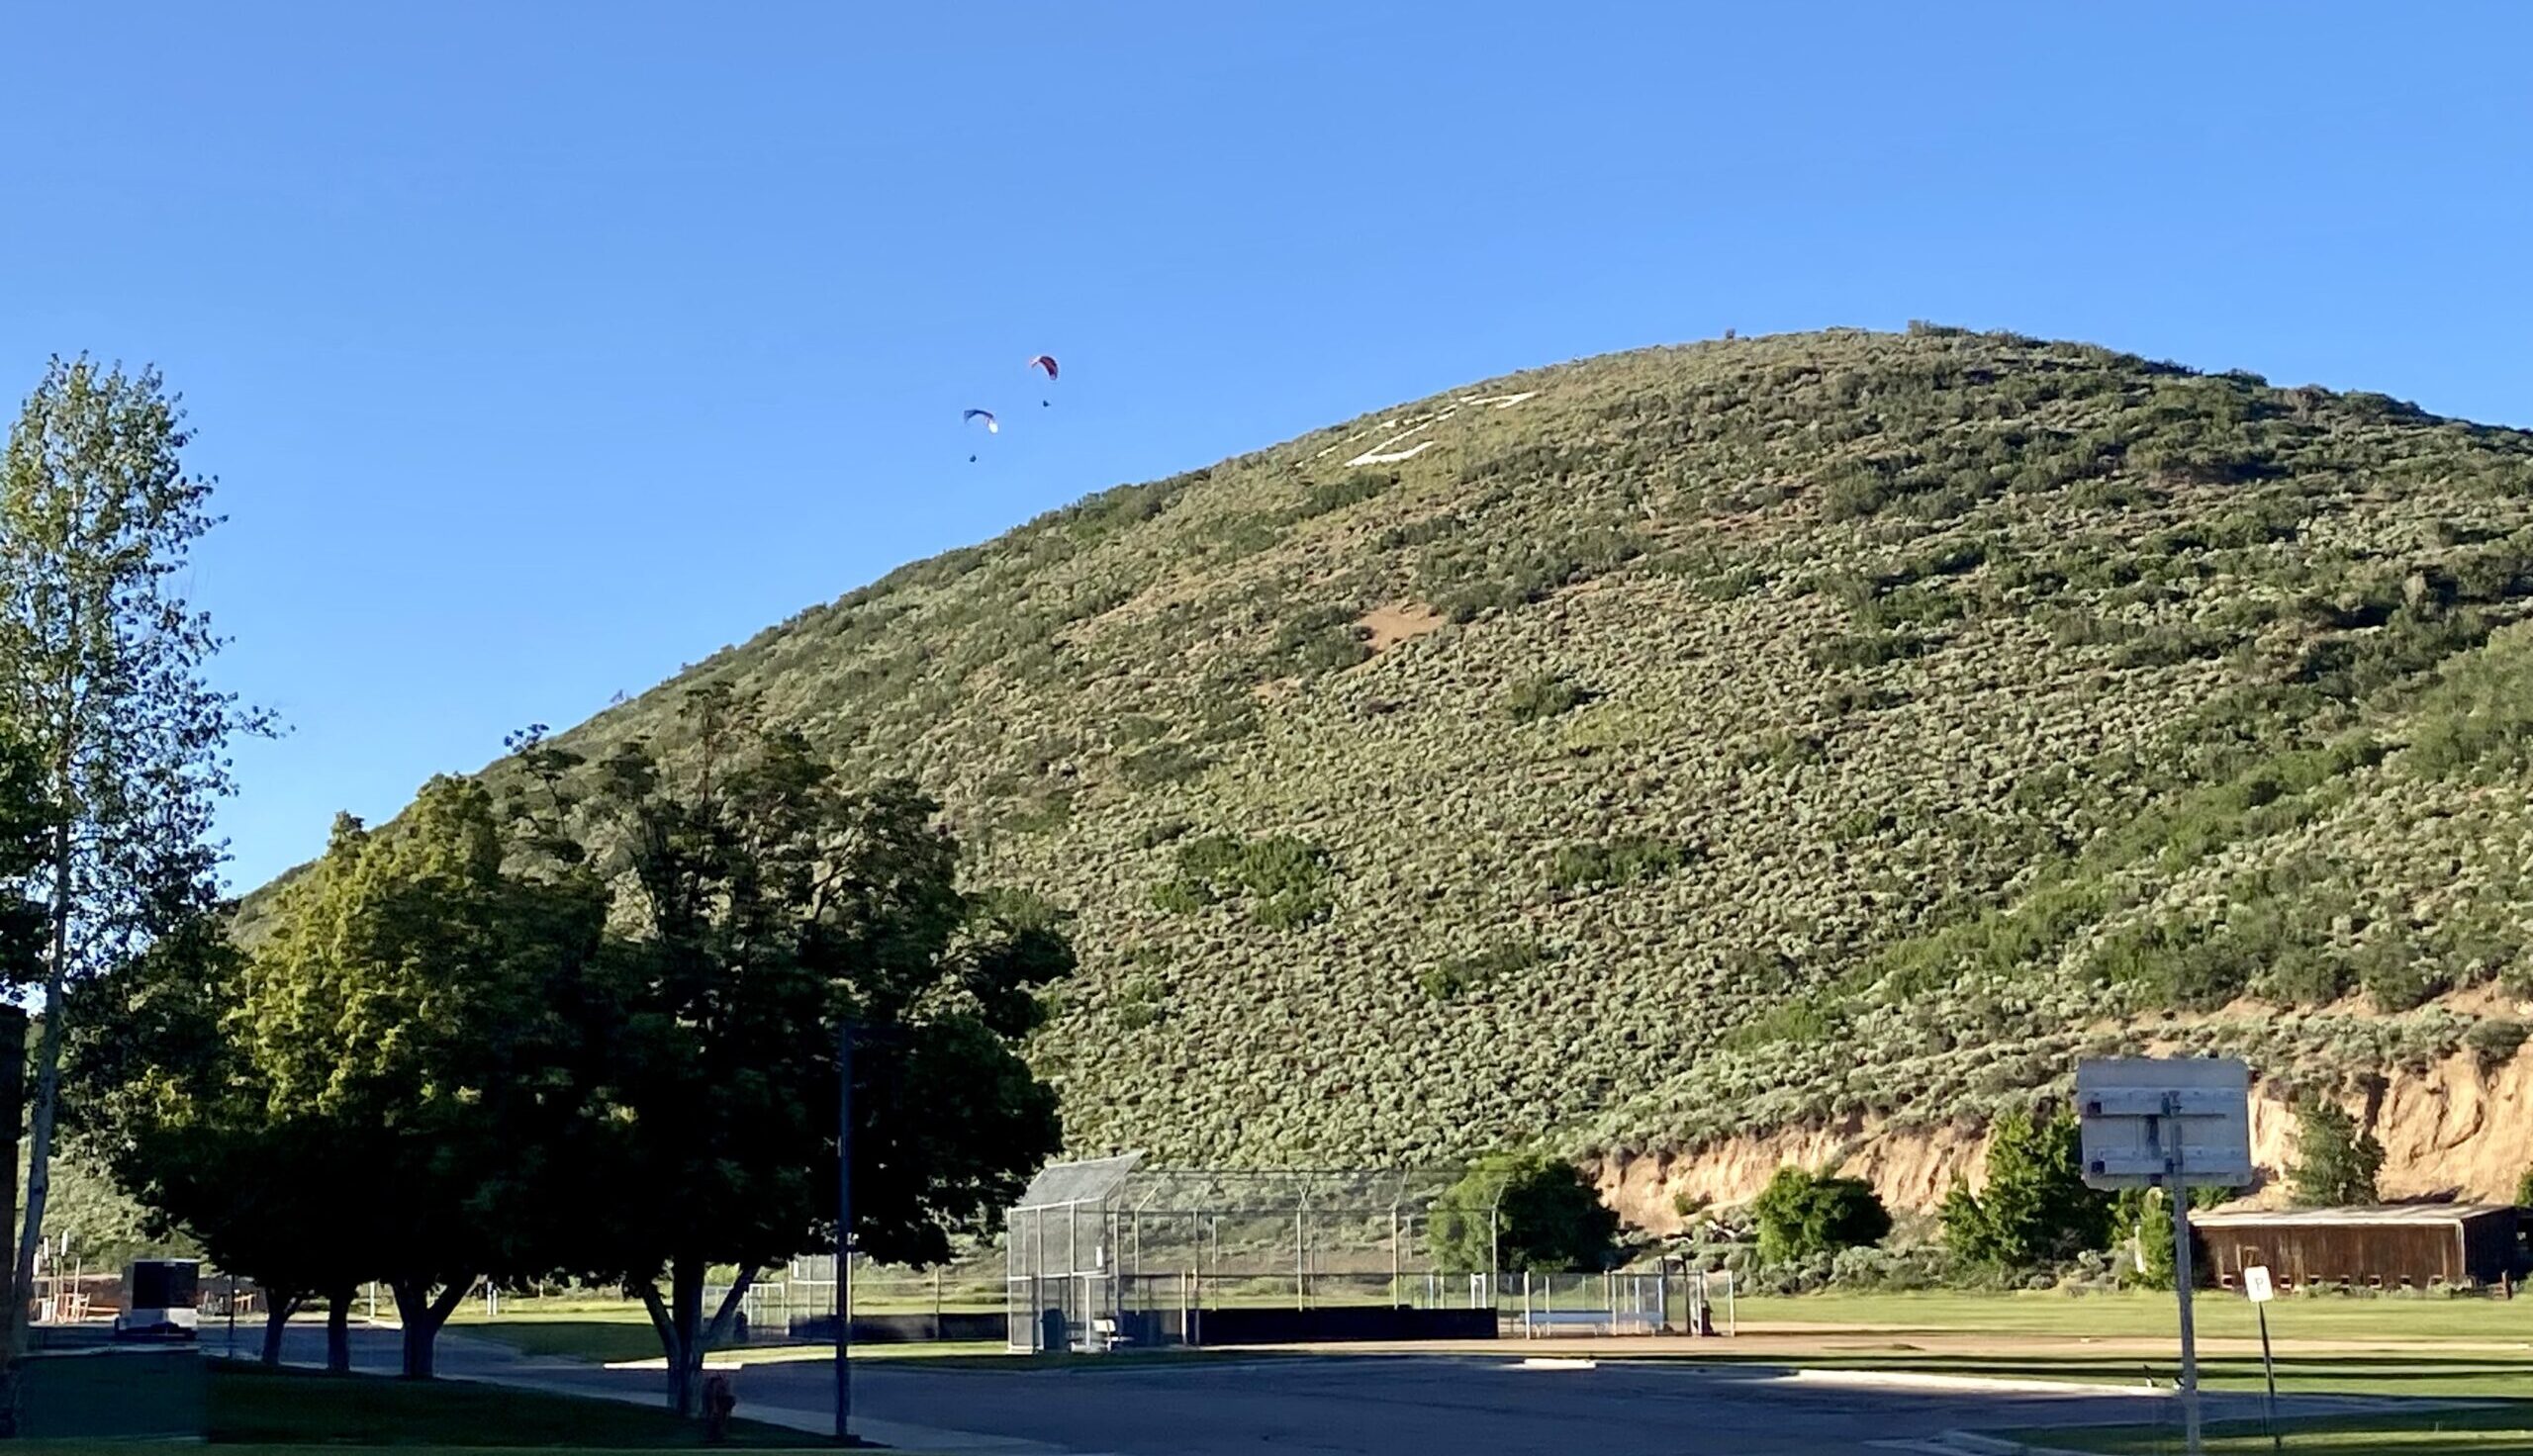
(936, 1304)
(1393, 1257)
(2176, 1191)
(232, 1316)
(1494, 1248)
(844, 1232)
(2270, 1372)
(1301, 1275)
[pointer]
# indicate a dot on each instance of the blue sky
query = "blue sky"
(542, 349)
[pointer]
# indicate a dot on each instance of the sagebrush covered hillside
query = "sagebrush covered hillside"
(1728, 736)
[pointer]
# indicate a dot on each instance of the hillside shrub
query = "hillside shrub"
(1803, 1213)
(2494, 1041)
(1324, 640)
(1543, 696)
(1284, 879)
(1627, 860)
(1460, 976)
(1141, 1002)
(1350, 490)
(1163, 763)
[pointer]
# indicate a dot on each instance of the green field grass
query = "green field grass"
(251, 1409)
(605, 1335)
(2147, 1312)
(2475, 1432)
(2425, 1378)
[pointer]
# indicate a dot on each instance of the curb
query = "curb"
(1972, 1443)
(1917, 1380)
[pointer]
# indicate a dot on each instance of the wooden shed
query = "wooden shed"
(2391, 1246)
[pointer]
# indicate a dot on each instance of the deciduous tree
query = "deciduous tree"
(763, 906)
(102, 672)
(167, 1092)
(1523, 1211)
(420, 1002)
(1802, 1214)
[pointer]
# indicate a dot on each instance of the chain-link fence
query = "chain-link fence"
(1109, 1252)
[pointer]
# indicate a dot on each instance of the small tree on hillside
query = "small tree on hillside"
(2524, 1190)
(2335, 1163)
(1802, 1214)
(1513, 1211)
(2035, 1208)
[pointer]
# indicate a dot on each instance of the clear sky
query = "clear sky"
(542, 349)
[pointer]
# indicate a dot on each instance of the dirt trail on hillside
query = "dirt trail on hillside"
(2451, 1130)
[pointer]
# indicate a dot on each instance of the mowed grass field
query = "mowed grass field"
(606, 1331)
(249, 1408)
(2488, 1431)
(2059, 1317)
(2475, 1350)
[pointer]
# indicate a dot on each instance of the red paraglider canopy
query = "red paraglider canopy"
(1045, 362)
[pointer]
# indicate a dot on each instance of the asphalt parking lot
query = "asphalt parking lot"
(1355, 1405)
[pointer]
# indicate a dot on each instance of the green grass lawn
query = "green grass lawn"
(572, 1336)
(606, 1338)
(2147, 1312)
(252, 1409)
(2444, 1378)
(2475, 1432)
(250, 1405)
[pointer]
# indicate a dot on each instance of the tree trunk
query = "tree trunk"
(678, 1321)
(338, 1334)
(685, 1336)
(685, 1295)
(664, 1324)
(422, 1316)
(47, 1080)
(278, 1308)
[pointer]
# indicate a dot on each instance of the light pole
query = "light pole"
(844, 1231)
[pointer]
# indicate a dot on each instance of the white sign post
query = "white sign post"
(2175, 1124)
(2256, 1284)
(2256, 1288)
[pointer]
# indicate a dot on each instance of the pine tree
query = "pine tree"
(2336, 1163)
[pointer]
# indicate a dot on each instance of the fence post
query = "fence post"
(1528, 1329)
(936, 1304)
(1393, 1256)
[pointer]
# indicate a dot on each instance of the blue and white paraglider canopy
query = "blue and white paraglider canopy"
(993, 427)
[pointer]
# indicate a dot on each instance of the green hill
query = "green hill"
(1724, 737)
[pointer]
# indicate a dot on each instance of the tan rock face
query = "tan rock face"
(2451, 1130)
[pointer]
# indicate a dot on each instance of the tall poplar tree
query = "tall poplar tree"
(102, 673)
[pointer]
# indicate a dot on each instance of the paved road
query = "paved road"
(1343, 1406)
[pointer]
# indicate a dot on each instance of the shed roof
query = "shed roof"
(2396, 1213)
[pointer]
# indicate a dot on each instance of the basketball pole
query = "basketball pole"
(2177, 1193)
